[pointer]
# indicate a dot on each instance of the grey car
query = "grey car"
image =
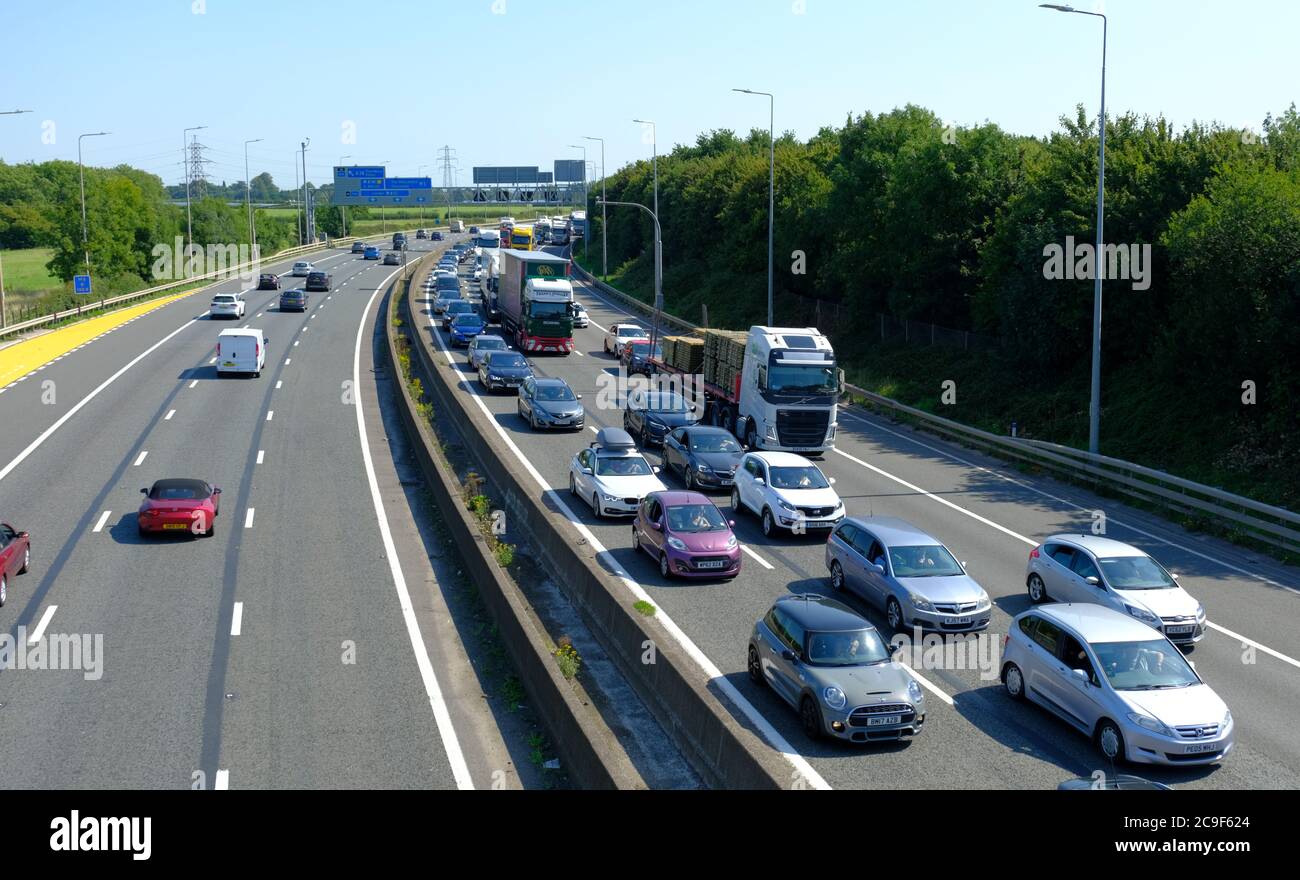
(550, 403)
(911, 575)
(445, 298)
(1092, 568)
(482, 344)
(1118, 682)
(834, 668)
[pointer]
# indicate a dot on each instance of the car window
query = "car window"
(710, 442)
(1062, 554)
(854, 648)
(930, 560)
(1144, 666)
(695, 518)
(875, 552)
(555, 392)
(680, 436)
(1047, 635)
(1027, 625)
(846, 533)
(800, 477)
(628, 466)
(1083, 566)
(1136, 573)
(6, 535)
(584, 458)
(1075, 657)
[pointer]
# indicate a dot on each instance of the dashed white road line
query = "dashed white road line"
(222, 782)
(248, 519)
(237, 621)
(213, 361)
(759, 559)
(278, 383)
(261, 454)
(168, 417)
(103, 518)
(140, 460)
(195, 382)
(270, 413)
(36, 634)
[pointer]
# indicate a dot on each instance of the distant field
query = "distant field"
(25, 271)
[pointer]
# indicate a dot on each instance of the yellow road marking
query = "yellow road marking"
(23, 357)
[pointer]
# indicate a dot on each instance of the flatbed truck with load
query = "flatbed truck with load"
(775, 388)
(533, 297)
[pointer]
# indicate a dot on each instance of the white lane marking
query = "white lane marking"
(237, 621)
(261, 454)
(40, 627)
(168, 417)
(578, 353)
(195, 382)
(441, 717)
(213, 361)
(103, 518)
(1032, 543)
(139, 461)
(259, 314)
(759, 559)
(270, 413)
(223, 781)
(248, 518)
(295, 343)
(714, 674)
(927, 684)
(49, 432)
(278, 383)
(288, 361)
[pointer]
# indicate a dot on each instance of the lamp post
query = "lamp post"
(604, 250)
(771, 190)
(248, 197)
(306, 211)
(1094, 403)
(383, 214)
(583, 147)
(343, 209)
(81, 169)
(659, 279)
(654, 159)
(2, 267)
(185, 155)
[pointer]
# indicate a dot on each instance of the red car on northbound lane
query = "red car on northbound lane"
(179, 505)
(15, 556)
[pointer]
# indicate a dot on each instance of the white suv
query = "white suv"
(227, 305)
(302, 269)
(619, 334)
(788, 491)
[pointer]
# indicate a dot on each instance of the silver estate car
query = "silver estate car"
(834, 668)
(1118, 682)
(1090, 568)
(911, 575)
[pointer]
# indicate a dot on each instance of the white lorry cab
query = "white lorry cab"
(241, 350)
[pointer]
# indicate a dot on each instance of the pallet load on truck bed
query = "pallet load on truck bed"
(775, 388)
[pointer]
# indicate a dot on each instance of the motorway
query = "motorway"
(285, 651)
(990, 516)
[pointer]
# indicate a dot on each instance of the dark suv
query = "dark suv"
(318, 281)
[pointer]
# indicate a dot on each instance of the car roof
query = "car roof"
(1096, 623)
(489, 337)
(816, 612)
(1096, 545)
(894, 532)
(782, 459)
(240, 331)
(546, 381)
(707, 429)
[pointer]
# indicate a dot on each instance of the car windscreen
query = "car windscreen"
(459, 307)
(178, 490)
(628, 466)
(695, 518)
(803, 379)
(507, 361)
(554, 392)
(862, 647)
(491, 345)
(627, 332)
(1135, 573)
(467, 319)
(1144, 666)
(930, 560)
(797, 477)
(223, 299)
(714, 443)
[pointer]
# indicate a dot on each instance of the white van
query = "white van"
(241, 350)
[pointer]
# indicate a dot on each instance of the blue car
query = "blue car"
(372, 253)
(465, 327)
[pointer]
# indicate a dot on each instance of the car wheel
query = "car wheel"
(769, 524)
(573, 488)
(1037, 591)
(645, 436)
(636, 540)
(689, 480)
(665, 570)
(735, 501)
(755, 668)
(595, 505)
(27, 560)
(837, 577)
(1014, 681)
(811, 717)
(4, 591)
(894, 613)
(212, 529)
(1110, 741)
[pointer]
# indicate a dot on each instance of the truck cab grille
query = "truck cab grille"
(802, 427)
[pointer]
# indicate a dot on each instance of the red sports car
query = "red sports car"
(15, 556)
(179, 506)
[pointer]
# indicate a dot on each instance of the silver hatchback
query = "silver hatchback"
(911, 575)
(1118, 682)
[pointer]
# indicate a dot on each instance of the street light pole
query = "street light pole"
(659, 277)
(306, 212)
(248, 196)
(85, 237)
(1094, 402)
(343, 209)
(583, 147)
(604, 250)
(654, 159)
(2, 266)
(771, 190)
(185, 155)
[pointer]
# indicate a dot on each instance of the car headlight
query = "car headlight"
(677, 544)
(1143, 615)
(984, 598)
(1200, 613)
(493, 377)
(1149, 723)
(1227, 718)
(609, 497)
(834, 697)
(703, 469)
(732, 542)
(920, 602)
(787, 505)
(914, 691)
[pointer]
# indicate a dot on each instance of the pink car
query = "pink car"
(687, 534)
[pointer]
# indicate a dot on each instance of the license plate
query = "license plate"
(1200, 749)
(716, 564)
(1178, 630)
(174, 526)
(884, 720)
(227, 363)
(960, 621)
(561, 421)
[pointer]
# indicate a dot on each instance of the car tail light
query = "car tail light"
(257, 349)
(1033, 554)
(218, 349)
(1006, 640)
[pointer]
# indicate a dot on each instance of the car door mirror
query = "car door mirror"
(1092, 581)
(144, 491)
(831, 480)
(587, 471)
(658, 527)
(1080, 675)
(655, 468)
(731, 523)
(216, 491)
(759, 481)
(895, 647)
(580, 397)
(1174, 575)
(880, 569)
(789, 656)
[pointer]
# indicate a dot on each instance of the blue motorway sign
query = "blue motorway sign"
(81, 284)
(354, 171)
(367, 185)
(410, 183)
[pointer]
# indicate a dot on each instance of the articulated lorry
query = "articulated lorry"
(533, 298)
(775, 388)
(578, 223)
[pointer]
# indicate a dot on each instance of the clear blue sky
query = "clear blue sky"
(415, 76)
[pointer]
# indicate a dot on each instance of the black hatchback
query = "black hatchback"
(294, 300)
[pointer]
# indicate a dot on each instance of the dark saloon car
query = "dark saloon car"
(318, 281)
(705, 457)
(392, 259)
(294, 300)
(550, 403)
(503, 369)
(650, 414)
